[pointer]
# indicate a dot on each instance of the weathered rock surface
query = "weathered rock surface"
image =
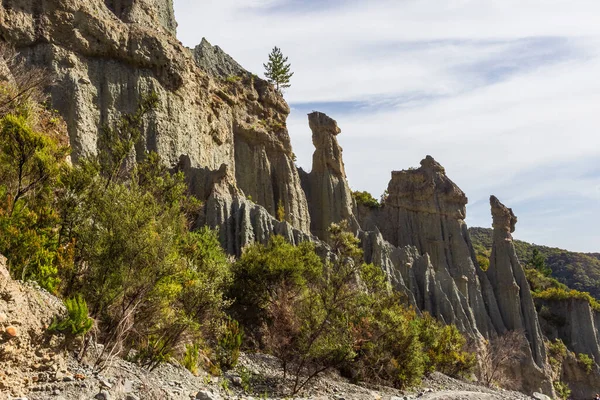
(583, 384)
(216, 62)
(329, 196)
(425, 209)
(105, 59)
(510, 284)
(145, 12)
(574, 322)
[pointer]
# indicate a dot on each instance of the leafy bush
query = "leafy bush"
(340, 313)
(191, 357)
(562, 390)
(229, 344)
(77, 322)
(30, 162)
(365, 199)
(586, 361)
(483, 262)
(280, 211)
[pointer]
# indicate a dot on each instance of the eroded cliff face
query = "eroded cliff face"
(425, 209)
(107, 54)
(226, 129)
(145, 12)
(574, 322)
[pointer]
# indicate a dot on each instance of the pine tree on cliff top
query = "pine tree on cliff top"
(278, 69)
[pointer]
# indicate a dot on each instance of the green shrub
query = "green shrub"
(557, 352)
(562, 390)
(229, 344)
(341, 313)
(586, 361)
(483, 261)
(77, 322)
(280, 211)
(191, 357)
(233, 79)
(365, 199)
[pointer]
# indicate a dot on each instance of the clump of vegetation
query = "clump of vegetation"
(280, 211)
(77, 322)
(557, 352)
(229, 344)
(191, 357)
(555, 293)
(316, 315)
(562, 390)
(233, 79)
(586, 361)
(538, 262)
(365, 199)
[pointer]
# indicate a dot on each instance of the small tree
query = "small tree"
(278, 69)
(538, 262)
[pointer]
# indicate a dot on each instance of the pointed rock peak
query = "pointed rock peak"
(214, 61)
(429, 164)
(328, 153)
(321, 124)
(503, 217)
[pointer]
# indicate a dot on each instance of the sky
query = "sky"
(505, 94)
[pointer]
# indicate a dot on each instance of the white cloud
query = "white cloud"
(521, 135)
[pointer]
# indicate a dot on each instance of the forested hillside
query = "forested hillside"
(580, 271)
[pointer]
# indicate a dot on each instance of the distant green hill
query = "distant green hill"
(579, 271)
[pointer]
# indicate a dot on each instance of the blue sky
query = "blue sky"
(504, 94)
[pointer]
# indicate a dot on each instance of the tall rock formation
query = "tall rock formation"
(510, 284)
(425, 209)
(329, 196)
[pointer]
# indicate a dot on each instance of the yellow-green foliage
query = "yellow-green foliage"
(30, 162)
(280, 211)
(233, 79)
(586, 361)
(77, 322)
(316, 315)
(191, 357)
(557, 351)
(565, 294)
(562, 390)
(539, 282)
(483, 261)
(365, 199)
(229, 344)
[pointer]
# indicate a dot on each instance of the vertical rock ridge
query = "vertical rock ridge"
(329, 196)
(510, 284)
